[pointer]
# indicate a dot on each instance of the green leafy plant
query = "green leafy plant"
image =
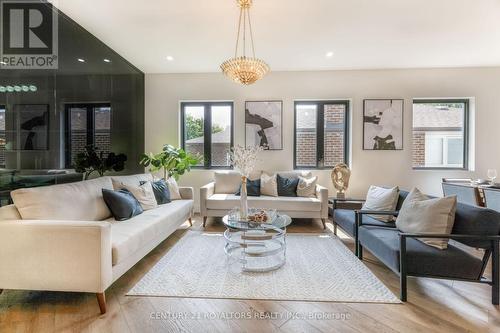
(173, 161)
(92, 161)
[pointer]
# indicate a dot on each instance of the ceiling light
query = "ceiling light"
(243, 69)
(81, 60)
(106, 60)
(329, 54)
(170, 58)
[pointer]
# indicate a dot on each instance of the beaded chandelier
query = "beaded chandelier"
(243, 69)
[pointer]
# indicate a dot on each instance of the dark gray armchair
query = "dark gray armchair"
(406, 256)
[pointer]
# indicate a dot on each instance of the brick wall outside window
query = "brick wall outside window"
(418, 149)
(306, 149)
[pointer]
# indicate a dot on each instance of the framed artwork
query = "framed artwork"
(383, 124)
(264, 124)
(33, 120)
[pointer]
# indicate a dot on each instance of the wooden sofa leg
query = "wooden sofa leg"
(190, 221)
(1, 291)
(204, 221)
(101, 299)
(324, 223)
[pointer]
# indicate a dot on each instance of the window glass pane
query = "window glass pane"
(78, 134)
(434, 151)
(306, 135)
(221, 135)
(438, 134)
(334, 120)
(102, 129)
(194, 117)
(455, 151)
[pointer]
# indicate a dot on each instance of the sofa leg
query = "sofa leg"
(334, 228)
(101, 299)
(402, 269)
(190, 221)
(205, 221)
(359, 251)
(1, 291)
(324, 223)
(495, 261)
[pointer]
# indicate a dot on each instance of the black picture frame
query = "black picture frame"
(369, 119)
(247, 112)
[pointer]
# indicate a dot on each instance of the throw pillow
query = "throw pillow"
(253, 188)
(420, 214)
(175, 194)
(380, 198)
(122, 204)
(144, 194)
(161, 191)
(287, 187)
(268, 185)
(307, 187)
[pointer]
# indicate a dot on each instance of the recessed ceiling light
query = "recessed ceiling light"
(81, 60)
(107, 60)
(170, 58)
(329, 54)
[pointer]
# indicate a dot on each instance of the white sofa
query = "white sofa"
(218, 197)
(63, 237)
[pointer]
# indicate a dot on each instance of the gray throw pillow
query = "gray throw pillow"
(420, 214)
(122, 204)
(287, 186)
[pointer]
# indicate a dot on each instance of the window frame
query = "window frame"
(466, 102)
(320, 132)
(90, 125)
(4, 131)
(207, 128)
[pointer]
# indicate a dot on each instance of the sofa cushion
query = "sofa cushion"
(122, 203)
(227, 182)
(127, 237)
(268, 185)
(381, 198)
(253, 188)
(161, 191)
(229, 201)
(9, 212)
(295, 174)
(473, 220)
(421, 259)
(173, 188)
(73, 201)
(420, 214)
(346, 219)
(287, 186)
(144, 194)
(307, 186)
(131, 180)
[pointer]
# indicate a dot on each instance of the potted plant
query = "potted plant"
(243, 160)
(92, 161)
(173, 161)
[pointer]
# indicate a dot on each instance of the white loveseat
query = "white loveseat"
(218, 197)
(63, 237)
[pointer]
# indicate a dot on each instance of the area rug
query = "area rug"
(317, 268)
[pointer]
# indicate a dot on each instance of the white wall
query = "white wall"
(164, 91)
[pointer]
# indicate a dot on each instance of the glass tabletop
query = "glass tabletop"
(280, 221)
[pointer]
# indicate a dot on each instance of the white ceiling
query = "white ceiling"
(296, 34)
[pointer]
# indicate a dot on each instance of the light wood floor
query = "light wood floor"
(433, 306)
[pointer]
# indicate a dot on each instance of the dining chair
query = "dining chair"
(492, 198)
(465, 194)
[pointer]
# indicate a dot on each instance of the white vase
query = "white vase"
(243, 198)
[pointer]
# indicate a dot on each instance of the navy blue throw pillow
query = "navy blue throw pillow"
(287, 187)
(161, 191)
(253, 188)
(122, 204)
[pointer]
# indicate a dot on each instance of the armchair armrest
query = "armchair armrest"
(377, 212)
(322, 195)
(206, 192)
(187, 193)
(55, 255)
(404, 235)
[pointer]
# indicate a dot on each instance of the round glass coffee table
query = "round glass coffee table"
(259, 247)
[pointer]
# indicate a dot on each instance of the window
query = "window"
(87, 124)
(440, 133)
(207, 132)
(321, 134)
